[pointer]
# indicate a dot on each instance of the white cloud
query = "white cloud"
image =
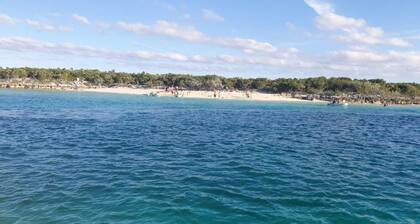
(31, 45)
(190, 34)
(255, 55)
(166, 29)
(328, 19)
(200, 58)
(248, 45)
(361, 56)
(212, 16)
(390, 65)
(357, 62)
(352, 30)
(81, 19)
(319, 7)
(145, 55)
(398, 42)
(46, 27)
(28, 44)
(332, 21)
(7, 19)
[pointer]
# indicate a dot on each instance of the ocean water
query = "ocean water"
(69, 157)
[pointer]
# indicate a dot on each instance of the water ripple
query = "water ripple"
(100, 158)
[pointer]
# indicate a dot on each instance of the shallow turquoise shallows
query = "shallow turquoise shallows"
(71, 157)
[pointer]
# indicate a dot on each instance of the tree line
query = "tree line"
(316, 85)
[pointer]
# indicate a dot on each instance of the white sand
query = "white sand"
(229, 95)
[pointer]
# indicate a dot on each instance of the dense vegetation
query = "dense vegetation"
(318, 85)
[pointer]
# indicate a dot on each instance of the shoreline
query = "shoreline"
(194, 94)
(201, 94)
(338, 91)
(187, 94)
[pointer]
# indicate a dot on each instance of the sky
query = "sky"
(235, 38)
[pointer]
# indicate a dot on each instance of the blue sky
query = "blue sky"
(289, 38)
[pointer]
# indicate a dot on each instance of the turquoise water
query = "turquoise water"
(103, 158)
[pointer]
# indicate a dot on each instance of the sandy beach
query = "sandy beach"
(226, 95)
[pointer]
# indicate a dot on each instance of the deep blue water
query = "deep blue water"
(68, 157)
